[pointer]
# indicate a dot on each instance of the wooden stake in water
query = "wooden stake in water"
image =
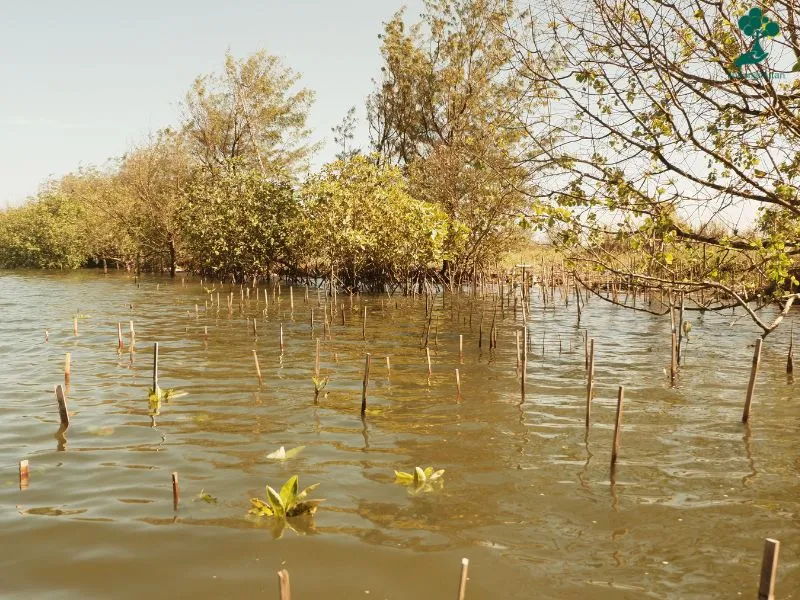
(316, 361)
(291, 298)
(133, 333)
(75, 325)
(284, 588)
(258, 368)
(281, 340)
(769, 569)
(458, 383)
(462, 582)
(519, 356)
(67, 368)
(176, 494)
(789, 358)
(460, 348)
(119, 336)
(752, 383)
(155, 367)
(364, 325)
(617, 425)
(365, 384)
(673, 365)
(23, 474)
(62, 406)
(590, 383)
(428, 358)
(388, 367)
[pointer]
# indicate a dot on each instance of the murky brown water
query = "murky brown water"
(525, 496)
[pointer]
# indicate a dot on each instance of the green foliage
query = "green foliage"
(422, 480)
(238, 223)
(289, 502)
(283, 454)
(359, 218)
(204, 496)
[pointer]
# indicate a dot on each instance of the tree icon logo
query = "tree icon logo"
(757, 26)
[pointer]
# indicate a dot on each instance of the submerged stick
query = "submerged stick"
(428, 358)
(67, 368)
(62, 406)
(617, 425)
(284, 589)
(155, 367)
(365, 383)
(281, 338)
(461, 348)
(769, 569)
(133, 333)
(458, 383)
(673, 365)
(119, 336)
(462, 583)
(316, 361)
(258, 368)
(388, 367)
(23, 474)
(752, 383)
(176, 494)
(590, 383)
(789, 358)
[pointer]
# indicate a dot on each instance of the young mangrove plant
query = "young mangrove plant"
(319, 385)
(157, 395)
(423, 480)
(289, 502)
(284, 454)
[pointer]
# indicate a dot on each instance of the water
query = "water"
(526, 497)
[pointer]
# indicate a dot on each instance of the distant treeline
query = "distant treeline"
(616, 131)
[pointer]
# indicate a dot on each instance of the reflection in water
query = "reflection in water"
(520, 469)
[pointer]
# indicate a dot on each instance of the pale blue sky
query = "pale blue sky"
(84, 79)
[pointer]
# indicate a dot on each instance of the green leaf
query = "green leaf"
(436, 475)
(276, 502)
(260, 508)
(304, 494)
(294, 451)
(419, 476)
(289, 491)
(403, 477)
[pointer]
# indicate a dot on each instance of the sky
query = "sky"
(81, 81)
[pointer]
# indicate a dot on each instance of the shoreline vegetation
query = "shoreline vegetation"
(499, 140)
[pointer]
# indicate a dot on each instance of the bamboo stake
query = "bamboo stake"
(119, 336)
(258, 368)
(67, 368)
(284, 588)
(462, 583)
(281, 338)
(586, 348)
(769, 569)
(133, 333)
(519, 357)
(291, 299)
(176, 494)
(62, 406)
(752, 383)
(590, 383)
(428, 358)
(365, 384)
(155, 367)
(461, 348)
(673, 364)
(364, 325)
(75, 325)
(23, 474)
(458, 384)
(617, 425)
(388, 367)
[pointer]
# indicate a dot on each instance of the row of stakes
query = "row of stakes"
(769, 562)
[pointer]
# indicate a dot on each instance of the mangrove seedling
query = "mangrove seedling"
(205, 497)
(423, 480)
(319, 385)
(289, 502)
(284, 454)
(156, 396)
